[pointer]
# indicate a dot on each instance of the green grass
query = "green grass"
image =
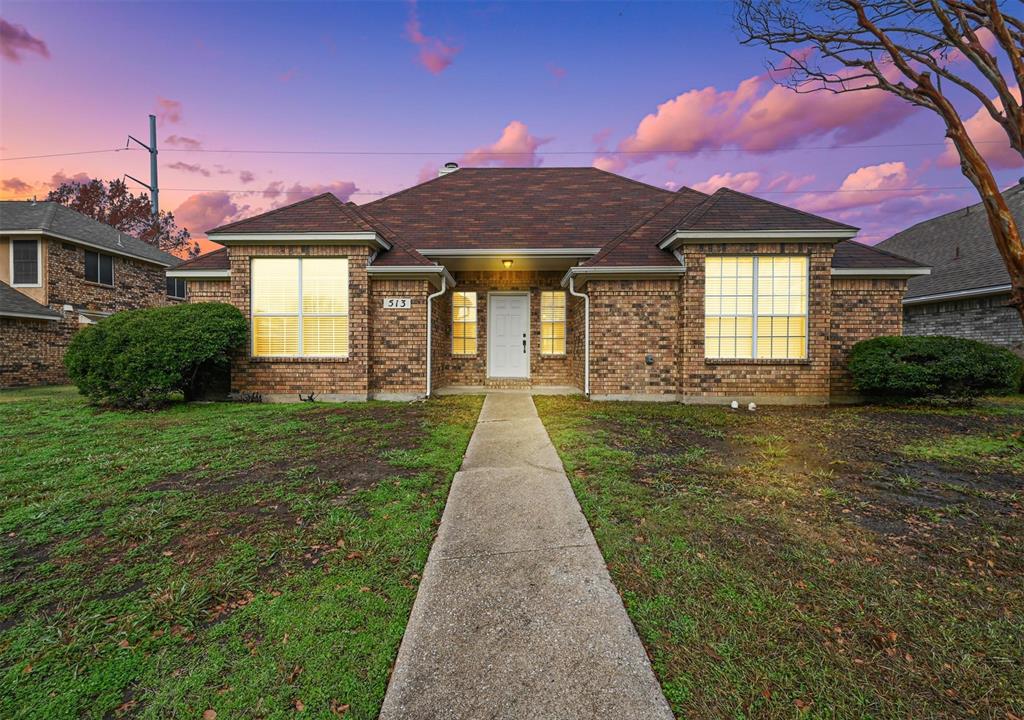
(796, 563)
(249, 559)
(1005, 452)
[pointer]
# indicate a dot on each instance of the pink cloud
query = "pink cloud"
(180, 141)
(741, 182)
(868, 185)
(190, 168)
(168, 111)
(515, 148)
(16, 42)
(207, 210)
(435, 54)
(246, 176)
(992, 140)
(59, 178)
(15, 185)
(788, 182)
(282, 194)
(758, 116)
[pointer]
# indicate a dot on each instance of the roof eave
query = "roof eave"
(691, 237)
(86, 243)
(28, 316)
(958, 294)
(373, 239)
(892, 273)
(622, 272)
(207, 274)
(413, 272)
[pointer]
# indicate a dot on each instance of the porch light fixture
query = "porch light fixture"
(506, 263)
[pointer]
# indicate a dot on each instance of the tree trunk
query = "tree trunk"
(1005, 230)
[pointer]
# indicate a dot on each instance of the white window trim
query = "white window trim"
(300, 314)
(476, 323)
(564, 321)
(753, 346)
(39, 263)
(99, 273)
(176, 281)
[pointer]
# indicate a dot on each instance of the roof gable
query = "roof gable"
(16, 304)
(854, 255)
(321, 213)
(213, 260)
(728, 210)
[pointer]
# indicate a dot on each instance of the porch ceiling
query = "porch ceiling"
(523, 260)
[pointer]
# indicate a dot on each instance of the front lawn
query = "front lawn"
(812, 562)
(213, 560)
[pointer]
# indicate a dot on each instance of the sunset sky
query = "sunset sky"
(367, 99)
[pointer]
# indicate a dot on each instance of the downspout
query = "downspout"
(430, 329)
(586, 333)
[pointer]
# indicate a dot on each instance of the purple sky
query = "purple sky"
(606, 84)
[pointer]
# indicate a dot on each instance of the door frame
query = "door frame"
(529, 329)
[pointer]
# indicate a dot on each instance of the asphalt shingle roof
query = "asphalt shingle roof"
(728, 210)
(213, 260)
(52, 217)
(855, 255)
(320, 213)
(14, 303)
(959, 248)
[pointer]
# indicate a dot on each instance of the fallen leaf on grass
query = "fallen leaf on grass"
(338, 708)
(354, 555)
(210, 714)
(299, 705)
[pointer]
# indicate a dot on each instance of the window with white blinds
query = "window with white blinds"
(299, 307)
(552, 322)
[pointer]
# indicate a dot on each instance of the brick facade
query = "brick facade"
(32, 351)
(646, 336)
(989, 319)
(861, 309)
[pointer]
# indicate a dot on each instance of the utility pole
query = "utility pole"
(154, 187)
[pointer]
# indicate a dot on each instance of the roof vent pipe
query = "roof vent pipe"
(448, 167)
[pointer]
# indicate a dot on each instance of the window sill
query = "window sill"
(295, 359)
(553, 356)
(756, 361)
(99, 285)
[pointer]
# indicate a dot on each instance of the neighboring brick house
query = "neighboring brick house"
(59, 270)
(552, 279)
(968, 292)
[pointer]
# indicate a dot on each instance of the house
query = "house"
(550, 279)
(60, 269)
(968, 292)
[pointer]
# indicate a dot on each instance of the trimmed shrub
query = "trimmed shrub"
(142, 358)
(903, 368)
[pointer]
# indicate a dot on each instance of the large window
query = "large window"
(464, 323)
(99, 268)
(755, 307)
(300, 307)
(552, 323)
(25, 268)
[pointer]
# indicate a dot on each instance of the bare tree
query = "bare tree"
(909, 48)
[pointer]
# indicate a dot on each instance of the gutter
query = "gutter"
(29, 316)
(586, 334)
(881, 272)
(625, 271)
(199, 274)
(430, 333)
(412, 270)
(680, 237)
(958, 294)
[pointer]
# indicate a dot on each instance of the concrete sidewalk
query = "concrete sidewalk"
(516, 616)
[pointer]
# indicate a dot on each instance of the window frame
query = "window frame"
(475, 322)
(754, 313)
(184, 288)
(99, 268)
(300, 314)
(39, 262)
(564, 321)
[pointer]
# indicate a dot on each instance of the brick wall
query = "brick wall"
(398, 338)
(32, 351)
(862, 309)
(629, 320)
(209, 291)
(989, 319)
(287, 378)
(576, 317)
(777, 380)
(472, 370)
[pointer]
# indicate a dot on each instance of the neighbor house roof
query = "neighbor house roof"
(16, 304)
(959, 248)
(60, 221)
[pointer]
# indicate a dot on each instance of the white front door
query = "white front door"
(508, 336)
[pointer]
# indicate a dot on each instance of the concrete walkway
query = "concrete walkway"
(516, 616)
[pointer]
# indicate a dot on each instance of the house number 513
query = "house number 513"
(397, 303)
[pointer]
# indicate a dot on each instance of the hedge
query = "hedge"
(143, 358)
(903, 368)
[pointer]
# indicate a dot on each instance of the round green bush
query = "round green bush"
(902, 368)
(142, 358)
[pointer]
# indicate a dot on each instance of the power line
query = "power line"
(654, 151)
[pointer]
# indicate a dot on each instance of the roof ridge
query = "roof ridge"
(877, 249)
(629, 179)
(788, 207)
(274, 211)
(51, 212)
(698, 211)
(608, 247)
(395, 238)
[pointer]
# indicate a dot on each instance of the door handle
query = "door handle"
(524, 343)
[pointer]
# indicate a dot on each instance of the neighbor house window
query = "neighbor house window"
(300, 307)
(99, 268)
(176, 288)
(25, 268)
(552, 323)
(755, 307)
(464, 323)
